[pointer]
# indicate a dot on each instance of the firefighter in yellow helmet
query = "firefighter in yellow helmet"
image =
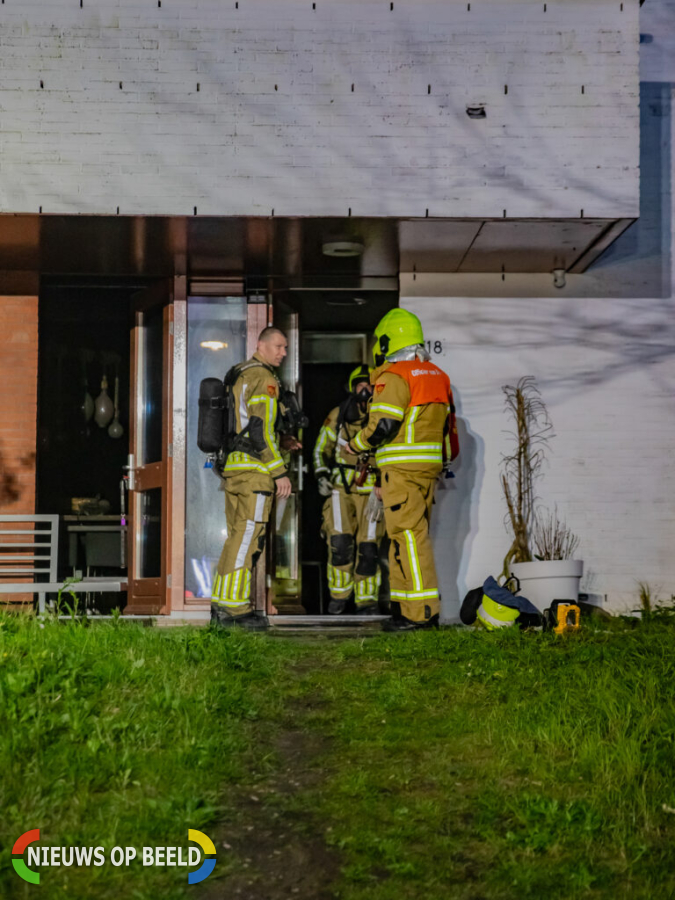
(411, 427)
(353, 538)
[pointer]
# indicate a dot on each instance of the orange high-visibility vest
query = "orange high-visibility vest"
(429, 384)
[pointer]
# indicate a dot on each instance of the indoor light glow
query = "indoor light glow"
(213, 345)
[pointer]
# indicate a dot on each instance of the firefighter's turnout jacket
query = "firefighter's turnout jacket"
(249, 484)
(255, 398)
(353, 541)
(410, 426)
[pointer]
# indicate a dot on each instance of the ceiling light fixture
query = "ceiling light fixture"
(342, 248)
(213, 345)
(336, 300)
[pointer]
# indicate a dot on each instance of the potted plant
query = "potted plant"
(543, 546)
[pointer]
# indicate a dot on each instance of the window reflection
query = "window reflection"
(152, 381)
(150, 555)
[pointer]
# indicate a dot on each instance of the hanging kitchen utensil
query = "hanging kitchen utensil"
(87, 405)
(115, 430)
(103, 411)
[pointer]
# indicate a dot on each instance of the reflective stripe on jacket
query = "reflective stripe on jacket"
(256, 395)
(331, 448)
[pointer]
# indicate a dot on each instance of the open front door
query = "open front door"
(151, 524)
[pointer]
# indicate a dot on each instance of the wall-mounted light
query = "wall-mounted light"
(476, 112)
(559, 280)
(342, 248)
(340, 300)
(213, 345)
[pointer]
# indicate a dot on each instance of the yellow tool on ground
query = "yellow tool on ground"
(564, 617)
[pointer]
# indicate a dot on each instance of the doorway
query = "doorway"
(331, 334)
(110, 399)
(83, 425)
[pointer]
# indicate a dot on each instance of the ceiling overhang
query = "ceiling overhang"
(289, 251)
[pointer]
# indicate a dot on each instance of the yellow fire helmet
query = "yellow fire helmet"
(396, 330)
(360, 373)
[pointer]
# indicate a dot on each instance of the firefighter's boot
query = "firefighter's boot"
(401, 624)
(250, 621)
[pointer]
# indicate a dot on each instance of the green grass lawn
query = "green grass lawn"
(443, 765)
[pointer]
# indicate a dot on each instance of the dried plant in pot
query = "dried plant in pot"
(542, 549)
(551, 536)
(530, 434)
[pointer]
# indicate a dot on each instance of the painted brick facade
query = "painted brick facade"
(285, 107)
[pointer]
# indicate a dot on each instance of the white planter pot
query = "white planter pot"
(546, 580)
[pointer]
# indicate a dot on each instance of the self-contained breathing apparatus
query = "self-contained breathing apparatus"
(217, 434)
(351, 410)
(291, 417)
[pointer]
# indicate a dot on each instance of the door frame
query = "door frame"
(160, 595)
(257, 318)
(176, 438)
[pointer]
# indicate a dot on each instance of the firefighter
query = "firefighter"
(353, 538)
(252, 475)
(411, 427)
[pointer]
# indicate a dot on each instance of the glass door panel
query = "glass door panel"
(216, 341)
(150, 545)
(151, 358)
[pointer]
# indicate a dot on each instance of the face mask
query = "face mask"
(362, 398)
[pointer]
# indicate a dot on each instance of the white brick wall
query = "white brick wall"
(603, 352)
(275, 124)
(607, 373)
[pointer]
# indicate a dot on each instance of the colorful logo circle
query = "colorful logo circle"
(20, 867)
(209, 863)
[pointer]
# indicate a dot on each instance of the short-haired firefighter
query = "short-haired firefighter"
(353, 539)
(412, 428)
(252, 476)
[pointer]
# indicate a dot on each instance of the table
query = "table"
(96, 534)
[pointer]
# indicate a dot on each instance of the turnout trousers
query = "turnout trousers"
(407, 495)
(353, 547)
(248, 501)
